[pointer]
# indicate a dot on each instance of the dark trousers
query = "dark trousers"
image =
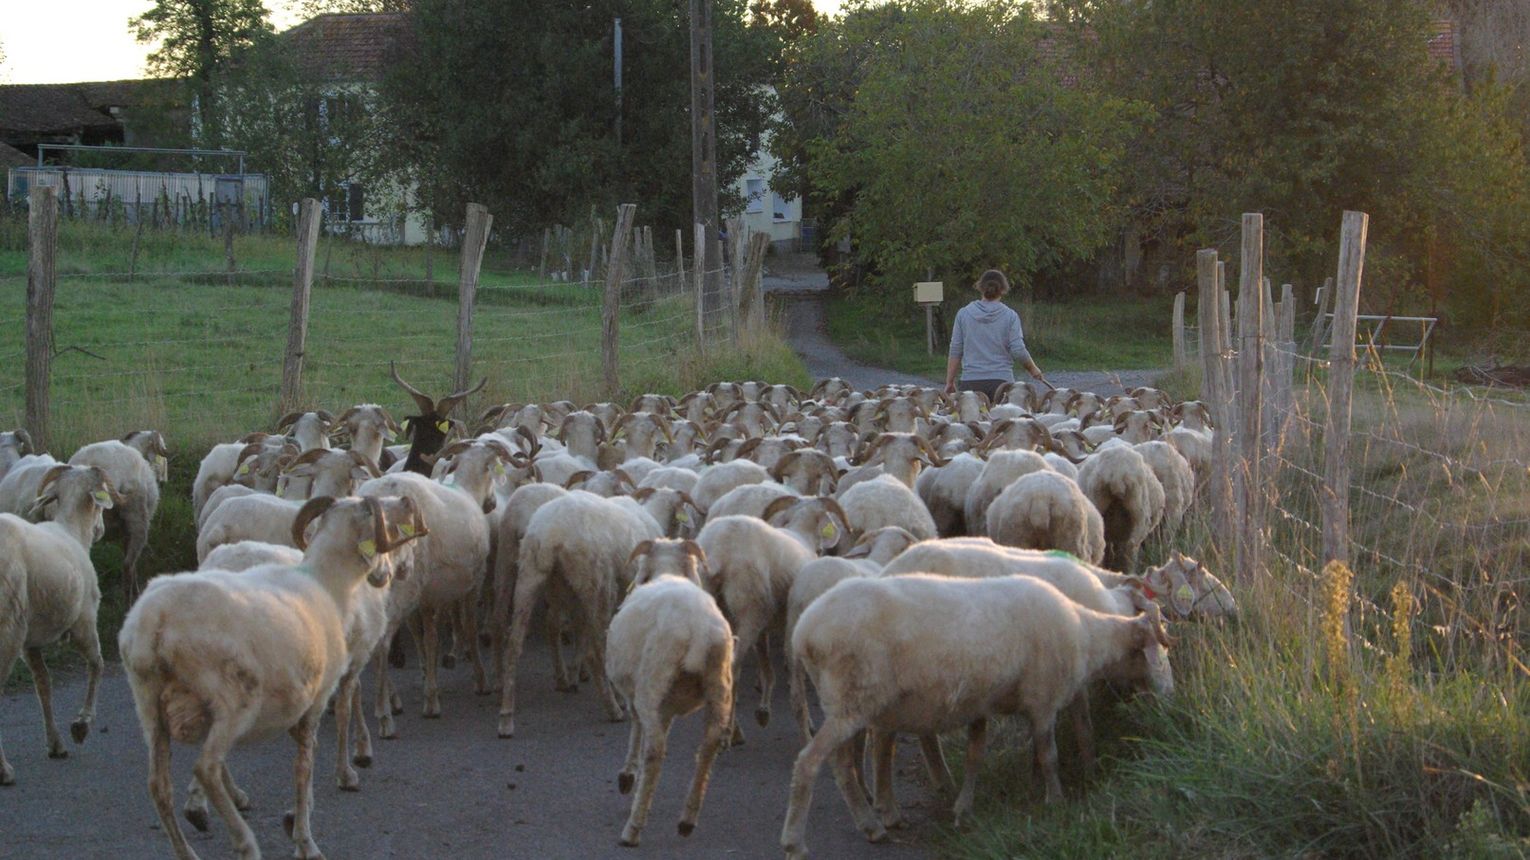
(989, 387)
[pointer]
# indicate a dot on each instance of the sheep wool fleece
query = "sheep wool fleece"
(988, 340)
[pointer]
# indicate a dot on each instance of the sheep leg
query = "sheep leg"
(977, 741)
(137, 538)
(561, 681)
(1083, 730)
(628, 774)
(719, 703)
(831, 741)
(382, 705)
(796, 684)
(767, 681)
(162, 791)
(88, 643)
(595, 659)
(363, 756)
(1044, 744)
(470, 642)
(43, 684)
(10, 649)
(935, 765)
(306, 733)
(430, 644)
(209, 775)
(655, 745)
(345, 775)
(241, 800)
(528, 588)
(883, 743)
(747, 634)
(452, 621)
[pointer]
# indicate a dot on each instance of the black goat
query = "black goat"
(427, 431)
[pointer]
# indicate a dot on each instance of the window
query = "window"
(780, 207)
(347, 202)
(755, 188)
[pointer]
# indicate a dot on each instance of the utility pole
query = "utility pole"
(704, 154)
(617, 76)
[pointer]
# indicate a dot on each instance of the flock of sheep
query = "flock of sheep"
(923, 563)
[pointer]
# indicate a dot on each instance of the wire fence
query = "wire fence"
(198, 351)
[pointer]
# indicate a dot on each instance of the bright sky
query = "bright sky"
(60, 41)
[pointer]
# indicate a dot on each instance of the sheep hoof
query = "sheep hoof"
(624, 782)
(79, 730)
(196, 817)
(628, 840)
(686, 828)
(57, 751)
(396, 704)
(7, 773)
(875, 833)
(349, 782)
(762, 716)
(448, 661)
(507, 727)
(288, 820)
(362, 760)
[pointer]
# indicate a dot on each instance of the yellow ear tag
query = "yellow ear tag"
(244, 468)
(499, 469)
(103, 497)
(829, 532)
(682, 517)
(367, 549)
(443, 426)
(406, 529)
(1185, 595)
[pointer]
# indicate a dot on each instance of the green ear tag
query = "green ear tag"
(682, 517)
(244, 468)
(1061, 553)
(281, 491)
(103, 497)
(1185, 595)
(828, 532)
(407, 529)
(367, 549)
(499, 469)
(443, 426)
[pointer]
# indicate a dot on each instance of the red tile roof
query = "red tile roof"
(48, 109)
(344, 48)
(1444, 44)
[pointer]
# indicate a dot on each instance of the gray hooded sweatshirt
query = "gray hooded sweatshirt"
(988, 340)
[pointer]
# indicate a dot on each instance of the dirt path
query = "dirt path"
(801, 289)
(446, 788)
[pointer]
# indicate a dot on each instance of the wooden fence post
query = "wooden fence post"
(297, 324)
(475, 237)
(542, 264)
(751, 298)
(1216, 388)
(1250, 373)
(1179, 330)
(680, 260)
(610, 310)
(1320, 323)
(1341, 383)
(42, 279)
(228, 240)
(699, 270)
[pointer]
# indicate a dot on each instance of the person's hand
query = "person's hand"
(951, 388)
(1036, 373)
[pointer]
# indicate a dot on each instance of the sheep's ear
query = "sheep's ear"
(639, 551)
(699, 556)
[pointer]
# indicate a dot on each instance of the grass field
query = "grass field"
(1105, 333)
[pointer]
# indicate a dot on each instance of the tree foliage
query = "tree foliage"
(523, 118)
(936, 134)
(199, 41)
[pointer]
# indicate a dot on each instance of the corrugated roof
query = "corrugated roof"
(351, 48)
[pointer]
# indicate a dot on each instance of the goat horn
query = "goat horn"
(53, 474)
(366, 463)
(421, 399)
(450, 401)
(778, 506)
(311, 510)
(288, 420)
(25, 439)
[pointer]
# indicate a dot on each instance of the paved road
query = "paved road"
(446, 788)
(801, 291)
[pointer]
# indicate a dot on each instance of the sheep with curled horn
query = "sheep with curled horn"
(658, 404)
(428, 430)
(14, 445)
(309, 429)
(368, 427)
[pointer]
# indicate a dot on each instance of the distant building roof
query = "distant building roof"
(1445, 42)
(344, 47)
(10, 156)
(48, 109)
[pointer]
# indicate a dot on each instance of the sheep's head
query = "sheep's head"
(1149, 398)
(767, 451)
(1137, 426)
(613, 482)
(581, 432)
(607, 413)
(831, 390)
(331, 472)
(476, 465)
(971, 405)
(697, 406)
(310, 429)
(882, 545)
(782, 398)
(260, 463)
(1187, 590)
(76, 495)
(366, 421)
(1149, 637)
(652, 559)
(838, 439)
(151, 445)
(819, 521)
(674, 510)
(642, 431)
(428, 431)
(901, 455)
(899, 414)
(1070, 444)
(725, 395)
(808, 471)
(370, 527)
(685, 437)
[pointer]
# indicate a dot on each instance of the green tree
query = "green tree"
(313, 8)
(943, 138)
(199, 40)
(523, 118)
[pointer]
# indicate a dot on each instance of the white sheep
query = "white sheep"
(49, 590)
(929, 654)
(885, 501)
(669, 653)
(309, 430)
(14, 444)
(18, 489)
(1177, 478)
(749, 500)
(1045, 510)
(215, 657)
(1128, 496)
(268, 518)
(671, 477)
(751, 563)
(717, 480)
(510, 529)
(576, 545)
(369, 426)
(943, 490)
(1002, 469)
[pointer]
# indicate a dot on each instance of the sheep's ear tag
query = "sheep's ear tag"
(828, 533)
(1185, 596)
(367, 548)
(103, 498)
(682, 517)
(161, 468)
(1062, 554)
(443, 426)
(499, 469)
(406, 529)
(244, 468)
(281, 490)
